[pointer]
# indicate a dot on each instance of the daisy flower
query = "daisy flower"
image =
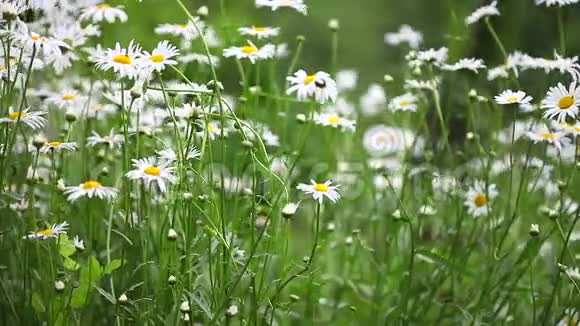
(406, 34)
(382, 140)
(149, 171)
(33, 119)
(47, 45)
(471, 64)
(112, 139)
(561, 103)
(78, 243)
(405, 102)
(159, 57)
(102, 11)
(90, 189)
(65, 99)
(169, 155)
(260, 32)
(479, 197)
(332, 119)
(320, 85)
(436, 56)
(320, 190)
(213, 130)
(481, 12)
(124, 62)
(511, 97)
(58, 146)
(544, 134)
(346, 79)
(373, 100)
(560, 3)
(298, 5)
(571, 316)
(250, 52)
(51, 232)
(186, 31)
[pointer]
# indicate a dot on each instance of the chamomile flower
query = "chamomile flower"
(103, 11)
(320, 190)
(213, 130)
(49, 46)
(319, 85)
(298, 5)
(481, 12)
(159, 57)
(382, 140)
(560, 3)
(471, 64)
(33, 119)
(511, 97)
(58, 146)
(406, 34)
(346, 79)
(148, 170)
(544, 134)
(124, 62)
(65, 99)
(51, 232)
(251, 52)
(374, 100)
(186, 31)
(332, 119)
(260, 32)
(561, 103)
(479, 197)
(405, 102)
(78, 243)
(112, 139)
(169, 155)
(90, 189)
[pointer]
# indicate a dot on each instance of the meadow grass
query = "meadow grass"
(210, 178)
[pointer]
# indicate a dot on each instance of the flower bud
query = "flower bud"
(59, 286)
(123, 299)
(334, 24)
(289, 210)
(184, 307)
(203, 11)
(171, 280)
(388, 79)
(534, 230)
(232, 311)
(171, 235)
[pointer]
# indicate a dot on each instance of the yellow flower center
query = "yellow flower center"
(334, 119)
(68, 97)
(152, 170)
(182, 26)
(122, 59)
(46, 232)
(566, 102)
(321, 187)
(404, 103)
(480, 200)
(35, 37)
(548, 136)
(91, 185)
(103, 6)
(16, 115)
(157, 58)
(211, 128)
(513, 99)
(249, 49)
(54, 143)
(260, 29)
(309, 79)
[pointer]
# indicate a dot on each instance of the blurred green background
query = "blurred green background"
(523, 25)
